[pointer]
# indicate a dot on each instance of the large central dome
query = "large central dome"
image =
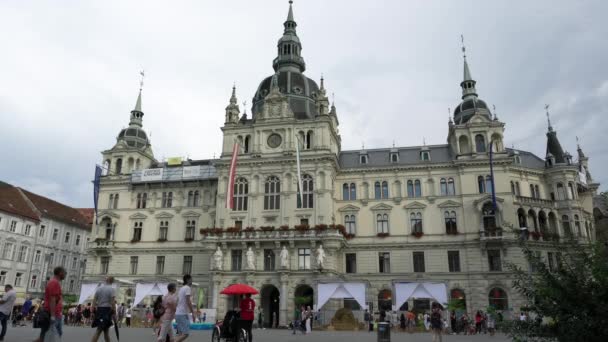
(289, 66)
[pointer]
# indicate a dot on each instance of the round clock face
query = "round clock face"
(274, 140)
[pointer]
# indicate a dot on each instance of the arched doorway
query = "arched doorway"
(458, 299)
(385, 300)
(498, 299)
(304, 295)
(270, 306)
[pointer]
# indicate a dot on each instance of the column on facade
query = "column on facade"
(216, 292)
(283, 316)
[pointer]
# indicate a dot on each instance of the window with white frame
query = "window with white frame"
(67, 237)
(349, 192)
(382, 223)
(3, 277)
(160, 264)
(55, 234)
(241, 194)
(71, 286)
(9, 251)
(447, 187)
(74, 263)
(64, 260)
(190, 224)
(27, 230)
(304, 258)
(414, 188)
(163, 231)
(34, 281)
(167, 199)
(137, 231)
(416, 222)
(13, 227)
(381, 190)
(307, 193)
(22, 255)
(37, 257)
(18, 279)
(450, 222)
(350, 223)
(384, 262)
(142, 200)
(42, 231)
(133, 265)
(187, 269)
(272, 193)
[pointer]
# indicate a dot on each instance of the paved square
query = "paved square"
(81, 334)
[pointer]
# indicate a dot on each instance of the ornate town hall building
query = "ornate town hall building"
(373, 216)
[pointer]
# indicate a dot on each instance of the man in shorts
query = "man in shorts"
(6, 307)
(52, 329)
(104, 303)
(184, 307)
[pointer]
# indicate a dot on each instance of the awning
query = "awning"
(405, 291)
(148, 289)
(328, 291)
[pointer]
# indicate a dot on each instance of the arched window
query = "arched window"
(532, 192)
(577, 225)
(115, 203)
(489, 217)
(394, 157)
(570, 191)
(350, 224)
(463, 141)
(345, 192)
(384, 189)
(272, 193)
(382, 223)
(118, 166)
(410, 188)
(451, 187)
(521, 218)
(190, 198)
(480, 143)
(130, 164)
(498, 299)
(459, 296)
(542, 222)
(537, 191)
(385, 300)
(111, 203)
(517, 192)
(353, 192)
(552, 223)
(450, 222)
(566, 225)
(561, 194)
(167, 199)
(512, 188)
(309, 140)
(307, 194)
(241, 194)
(481, 184)
(106, 168)
(197, 198)
(137, 164)
(246, 144)
(142, 199)
(377, 191)
(363, 159)
(489, 184)
(443, 185)
(417, 188)
(416, 222)
(532, 219)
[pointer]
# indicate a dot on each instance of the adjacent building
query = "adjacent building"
(37, 234)
(449, 214)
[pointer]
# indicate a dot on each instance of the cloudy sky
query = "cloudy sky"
(69, 73)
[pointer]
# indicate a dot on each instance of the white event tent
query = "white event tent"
(148, 289)
(87, 290)
(405, 291)
(328, 291)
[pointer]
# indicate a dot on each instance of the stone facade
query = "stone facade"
(421, 213)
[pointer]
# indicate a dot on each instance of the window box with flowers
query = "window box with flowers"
(249, 229)
(267, 228)
(284, 227)
(321, 227)
(216, 231)
(341, 228)
(204, 231)
(233, 229)
(302, 227)
(417, 234)
(382, 235)
(349, 236)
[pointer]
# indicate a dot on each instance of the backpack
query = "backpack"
(158, 311)
(436, 320)
(366, 317)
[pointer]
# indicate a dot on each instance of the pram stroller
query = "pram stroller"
(229, 329)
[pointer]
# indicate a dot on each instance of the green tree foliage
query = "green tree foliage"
(568, 298)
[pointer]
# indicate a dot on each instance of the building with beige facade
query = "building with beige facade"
(379, 216)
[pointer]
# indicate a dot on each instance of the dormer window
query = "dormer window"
(363, 159)
(517, 159)
(425, 155)
(394, 156)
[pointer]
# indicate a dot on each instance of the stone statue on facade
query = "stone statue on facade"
(250, 259)
(320, 257)
(218, 257)
(284, 257)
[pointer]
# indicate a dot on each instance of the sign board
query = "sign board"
(151, 175)
(174, 161)
(191, 171)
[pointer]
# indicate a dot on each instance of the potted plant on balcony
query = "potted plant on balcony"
(249, 229)
(382, 235)
(284, 227)
(267, 228)
(204, 231)
(216, 231)
(302, 227)
(417, 234)
(341, 228)
(233, 229)
(321, 227)
(349, 236)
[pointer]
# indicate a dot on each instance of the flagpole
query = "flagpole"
(299, 170)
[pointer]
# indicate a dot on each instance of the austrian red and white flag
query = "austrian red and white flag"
(231, 176)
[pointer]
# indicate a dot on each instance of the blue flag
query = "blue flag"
(96, 189)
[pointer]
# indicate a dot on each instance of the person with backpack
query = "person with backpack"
(104, 303)
(368, 320)
(169, 304)
(157, 312)
(436, 324)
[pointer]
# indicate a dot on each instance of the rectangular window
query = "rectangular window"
(384, 262)
(350, 223)
(3, 277)
(134, 262)
(494, 261)
(351, 262)
(418, 261)
(236, 256)
(77, 240)
(63, 261)
(34, 281)
(18, 278)
(71, 286)
(454, 261)
(167, 200)
(8, 252)
(22, 256)
(269, 260)
(190, 230)
(13, 228)
(137, 230)
(55, 234)
(105, 265)
(160, 264)
(74, 263)
(238, 225)
(27, 230)
(304, 222)
(67, 237)
(551, 261)
(42, 231)
(163, 231)
(37, 257)
(187, 265)
(304, 258)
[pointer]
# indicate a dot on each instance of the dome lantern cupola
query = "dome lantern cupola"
(289, 47)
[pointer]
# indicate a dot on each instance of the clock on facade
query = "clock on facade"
(274, 140)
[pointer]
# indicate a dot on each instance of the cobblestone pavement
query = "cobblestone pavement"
(78, 334)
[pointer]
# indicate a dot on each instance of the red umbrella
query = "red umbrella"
(239, 289)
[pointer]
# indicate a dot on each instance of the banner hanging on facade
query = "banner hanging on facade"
(231, 175)
(174, 161)
(151, 175)
(191, 171)
(96, 181)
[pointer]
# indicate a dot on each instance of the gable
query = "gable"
(381, 206)
(191, 213)
(138, 216)
(449, 204)
(109, 214)
(164, 214)
(349, 207)
(415, 205)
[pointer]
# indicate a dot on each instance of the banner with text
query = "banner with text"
(152, 175)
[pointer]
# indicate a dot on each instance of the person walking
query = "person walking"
(52, 329)
(308, 320)
(157, 312)
(184, 307)
(104, 304)
(169, 305)
(402, 322)
(436, 324)
(6, 307)
(128, 317)
(297, 320)
(120, 314)
(367, 317)
(247, 315)
(26, 309)
(478, 322)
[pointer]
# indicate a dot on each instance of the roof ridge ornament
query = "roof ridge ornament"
(548, 118)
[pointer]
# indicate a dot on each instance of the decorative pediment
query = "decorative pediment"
(138, 216)
(164, 215)
(415, 205)
(449, 204)
(381, 206)
(108, 214)
(349, 207)
(478, 203)
(191, 213)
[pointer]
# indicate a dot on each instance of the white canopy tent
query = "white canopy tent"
(405, 291)
(87, 290)
(148, 289)
(328, 291)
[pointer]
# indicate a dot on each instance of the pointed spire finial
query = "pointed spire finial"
(333, 99)
(322, 82)
(464, 49)
(494, 110)
(393, 143)
(290, 14)
(233, 100)
(141, 80)
(548, 118)
(449, 115)
(363, 145)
